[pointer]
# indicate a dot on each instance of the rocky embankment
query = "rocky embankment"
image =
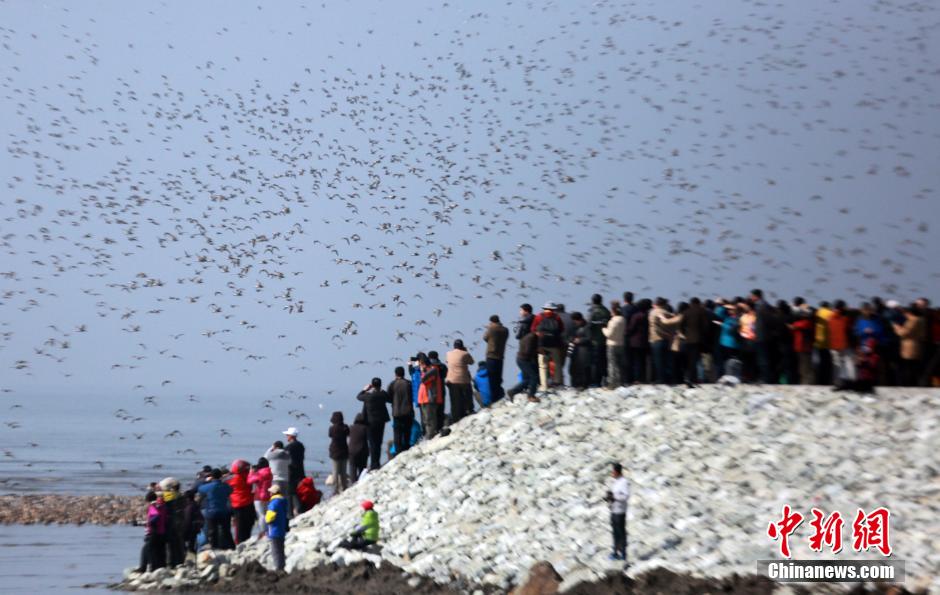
(709, 469)
(39, 509)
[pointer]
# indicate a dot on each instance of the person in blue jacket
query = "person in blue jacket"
(414, 370)
(276, 518)
(217, 511)
(481, 382)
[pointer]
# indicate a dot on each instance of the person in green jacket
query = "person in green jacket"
(367, 533)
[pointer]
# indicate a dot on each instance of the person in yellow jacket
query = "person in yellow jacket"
(367, 533)
(821, 343)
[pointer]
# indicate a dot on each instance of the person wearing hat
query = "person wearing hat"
(241, 500)
(549, 329)
(295, 469)
(217, 511)
(458, 381)
(276, 519)
(367, 532)
(175, 522)
(279, 463)
(495, 336)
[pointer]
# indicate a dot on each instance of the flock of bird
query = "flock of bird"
(174, 211)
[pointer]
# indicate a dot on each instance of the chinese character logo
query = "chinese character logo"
(784, 528)
(871, 531)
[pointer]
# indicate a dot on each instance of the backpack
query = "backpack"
(550, 332)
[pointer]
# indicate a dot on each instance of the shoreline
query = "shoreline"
(60, 509)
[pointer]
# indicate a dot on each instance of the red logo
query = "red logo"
(868, 531)
(784, 528)
(826, 532)
(871, 531)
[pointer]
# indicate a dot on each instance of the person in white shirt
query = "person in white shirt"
(617, 498)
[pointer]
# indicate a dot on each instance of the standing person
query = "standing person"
(374, 400)
(913, 335)
(661, 329)
(153, 553)
(932, 355)
(747, 331)
(638, 341)
(276, 519)
(617, 496)
(598, 317)
(868, 326)
(678, 347)
(260, 480)
(436, 362)
(358, 447)
(694, 329)
(430, 396)
(217, 511)
(403, 412)
(802, 329)
(824, 371)
(524, 324)
(840, 346)
(279, 462)
(579, 352)
(729, 342)
(339, 451)
(201, 477)
(615, 333)
(627, 309)
(568, 325)
(458, 380)
(193, 521)
(241, 501)
(527, 360)
(549, 329)
(495, 336)
(175, 506)
(764, 339)
(295, 469)
(414, 371)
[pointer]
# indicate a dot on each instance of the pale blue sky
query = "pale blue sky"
(664, 147)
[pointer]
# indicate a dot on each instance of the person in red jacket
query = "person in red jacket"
(242, 501)
(840, 346)
(260, 481)
(308, 494)
(802, 327)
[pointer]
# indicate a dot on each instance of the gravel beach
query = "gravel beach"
(710, 468)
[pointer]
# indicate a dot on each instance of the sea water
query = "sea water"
(66, 558)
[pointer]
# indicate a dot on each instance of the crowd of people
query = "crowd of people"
(629, 342)
(650, 341)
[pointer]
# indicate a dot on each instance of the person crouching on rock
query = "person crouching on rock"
(617, 498)
(276, 518)
(367, 533)
(308, 494)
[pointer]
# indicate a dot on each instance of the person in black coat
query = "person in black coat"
(296, 473)
(339, 451)
(374, 407)
(358, 451)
